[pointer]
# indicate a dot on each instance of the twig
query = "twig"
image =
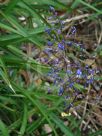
(85, 107)
(76, 18)
(86, 124)
(79, 117)
(93, 123)
(100, 37)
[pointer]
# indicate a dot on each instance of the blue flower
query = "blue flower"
(69, 106)
(61, 46)
(56, 61)
(67, 97)
(52, 9)
(49, 43)
(50, 18)
(48, 30)
(86, 66)
(73, 30)
(71, 85)
(61, 90)
(69, 72)
(62, 23)
(78, 73)
(59, 31)
(63, 41)
(56, 13)
(69, 43)
(90, 80)
(49, 90)
(91, 71)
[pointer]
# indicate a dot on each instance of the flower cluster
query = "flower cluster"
(68, 73)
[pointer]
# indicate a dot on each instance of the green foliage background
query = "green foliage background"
(17, 102)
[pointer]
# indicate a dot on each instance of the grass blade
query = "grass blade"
(24, 121)
(3, 129)
(61, 125)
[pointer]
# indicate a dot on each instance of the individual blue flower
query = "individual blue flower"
(48, 30)
(56, 13)
(49, 90)
(69, 106)
(59, 31)
(91, 71)
(79, 73)
(69, 72)
(61, 46)
(73, 30)
(52, 9)
(90, 80)
(86, 66)
(71, 85)
(63, 41)
(56, 61)
(69, 43)
(51, 17)
(67, 97)
(62, 23)
(61, 90)
(49, 43)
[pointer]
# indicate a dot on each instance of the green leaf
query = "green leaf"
(54, 3)
(75, 4)
(33, 12)
(13, 21)
(3, 129)
(10, 29)
(90, 6)
(32, 127)
(11, 6)
(61, 125)
(38, 104)
(24, 121)
(79, 86)
(99, 132)
(4, 75)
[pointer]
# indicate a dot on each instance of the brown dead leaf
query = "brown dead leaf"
(98, 115)
(89, 61)
(25, 76)
(38, 82)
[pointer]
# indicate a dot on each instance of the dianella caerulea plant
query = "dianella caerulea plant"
(71, 76)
